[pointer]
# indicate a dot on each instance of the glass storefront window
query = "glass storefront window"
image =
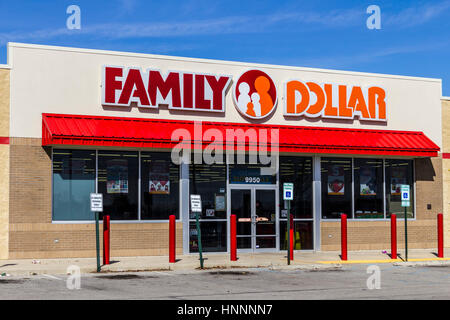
(159, 186)
(245, 169)
(336, 187)
(118, 176)
(214, 236)
(74, 177)
(297, 170)
(398, 172)
(368, 183)
(303, 235)
(209, 181)
(73, 182)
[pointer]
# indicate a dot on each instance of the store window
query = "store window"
(398, 173)
(209, 181)
(118, 178)
(368, 183)
(246, 169)
(336, 187)
(297, 170)
(214, 236)
(159, 186)
(303, 235)
(73, 182)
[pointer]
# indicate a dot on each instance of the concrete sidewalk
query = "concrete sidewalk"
(302, 260)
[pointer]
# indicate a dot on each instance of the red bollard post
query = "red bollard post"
(291, 233)
(344, 237)
(233, 240)
(106, 239)
(172, 246)
(440, 235)
(393, 236)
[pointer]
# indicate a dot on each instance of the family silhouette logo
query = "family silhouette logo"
(255, 94)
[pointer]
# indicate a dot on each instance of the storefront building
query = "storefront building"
(78, 121)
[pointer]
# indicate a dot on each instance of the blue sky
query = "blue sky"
(414, 38)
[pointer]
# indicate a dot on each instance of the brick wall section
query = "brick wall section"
(375, 235)
(32, 235)
(37, 240)
(30, 186)
(446, 169)
(4, 163)
(4, 102)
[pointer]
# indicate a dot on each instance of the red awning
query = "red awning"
(78, 130)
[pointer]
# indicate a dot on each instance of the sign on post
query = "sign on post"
(288, 196)
(96, 207)
(404, 195)
(196, 206)
(196, 203)
(288, 191)
(404, 191)
(96, 202)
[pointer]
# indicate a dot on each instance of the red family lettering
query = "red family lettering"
(179, 90)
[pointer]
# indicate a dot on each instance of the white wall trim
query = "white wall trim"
(212, 61)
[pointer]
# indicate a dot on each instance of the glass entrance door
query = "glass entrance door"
(255, 211)
(264, 217)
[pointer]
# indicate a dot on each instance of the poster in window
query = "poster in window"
(210, 212)
(219, 202)
(398, 177)
(336, 185)
(117, 176)
(159, 178)
(367, 181)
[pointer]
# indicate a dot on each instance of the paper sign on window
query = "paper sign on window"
(368, 181)
(398, 178)
(159, 178)
(336, 185)
(117, 176)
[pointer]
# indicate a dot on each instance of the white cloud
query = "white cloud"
(416, 15)
(234, 24)
(42, 34)
(345, 61)
(224, 25)
(127, 6)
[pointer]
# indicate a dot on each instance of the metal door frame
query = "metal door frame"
(253, 188)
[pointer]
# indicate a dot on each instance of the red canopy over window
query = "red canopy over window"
(60, 129)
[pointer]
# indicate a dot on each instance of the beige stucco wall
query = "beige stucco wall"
(67, 80)
(4, 163)
(446, 168)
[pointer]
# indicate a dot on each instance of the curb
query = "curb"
(432, 263)
(93, 270)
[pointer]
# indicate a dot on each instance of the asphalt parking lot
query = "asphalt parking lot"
(346, 282)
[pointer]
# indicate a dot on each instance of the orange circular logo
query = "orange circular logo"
(255, 95)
